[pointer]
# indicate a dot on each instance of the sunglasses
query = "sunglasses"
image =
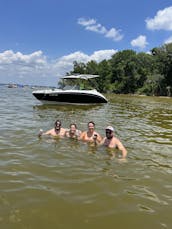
(108, 132)
(57, 124)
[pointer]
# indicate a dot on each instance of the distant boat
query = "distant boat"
(12, 85)
(71, 93)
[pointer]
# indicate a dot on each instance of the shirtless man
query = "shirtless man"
(111, 141)
(56, 131)
(90, 135)
(73, 132)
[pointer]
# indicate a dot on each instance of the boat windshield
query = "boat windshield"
(76, 84)
(71, 87)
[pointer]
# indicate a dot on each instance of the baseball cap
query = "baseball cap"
(110, 128)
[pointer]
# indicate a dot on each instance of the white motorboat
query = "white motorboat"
(71, 92)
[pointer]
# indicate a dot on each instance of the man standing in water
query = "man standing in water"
(56, 131)
(111, 141)
(90, 135)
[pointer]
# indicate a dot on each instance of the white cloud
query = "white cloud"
(169, 40)
(92, 25)
(35, 69)
(65, 63)
(100, 55)
(10, 57)
(162, 20)
(114, 34)
(139, 42)
(82, 21)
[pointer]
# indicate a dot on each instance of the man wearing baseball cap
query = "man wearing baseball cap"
(112, 142)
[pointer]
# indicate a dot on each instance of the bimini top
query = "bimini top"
(81, 76)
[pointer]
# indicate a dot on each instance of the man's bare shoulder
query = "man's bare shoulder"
(116, 140)
(64, 130)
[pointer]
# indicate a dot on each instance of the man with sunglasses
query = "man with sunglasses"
(56, 131)
(111, 141)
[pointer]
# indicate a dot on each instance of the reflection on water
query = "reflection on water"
(57, 183)
(66, 107)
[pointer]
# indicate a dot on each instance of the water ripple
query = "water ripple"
(46, 181)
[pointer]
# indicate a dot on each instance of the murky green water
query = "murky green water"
(66, 184)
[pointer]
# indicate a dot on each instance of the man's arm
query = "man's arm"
(121, 148)
(41, 133)
(82, 136)
(98, 137)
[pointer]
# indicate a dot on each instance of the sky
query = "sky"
(40, 39)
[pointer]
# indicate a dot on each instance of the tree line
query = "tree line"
(129, 72)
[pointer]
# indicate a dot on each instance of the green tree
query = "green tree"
(78, 68)
(131, 72)
(123, 65)
(163, 57)
(104, 72)
(152, 85)
(144, 67)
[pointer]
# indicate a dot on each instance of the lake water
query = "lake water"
(46, 183)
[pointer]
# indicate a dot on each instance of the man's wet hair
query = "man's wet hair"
(73, 124)
(91, 122)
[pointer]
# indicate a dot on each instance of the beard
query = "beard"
(57, 129)
(109, 137)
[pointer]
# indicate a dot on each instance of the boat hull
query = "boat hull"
(70, 97)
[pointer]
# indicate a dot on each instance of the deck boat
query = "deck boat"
(71, 92)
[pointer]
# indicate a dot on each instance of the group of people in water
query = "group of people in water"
(90, 135)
